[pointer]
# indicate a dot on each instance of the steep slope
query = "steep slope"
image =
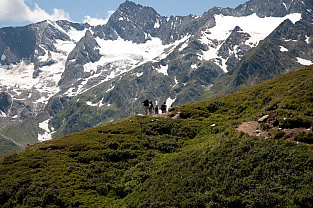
(32, 62)
(200, 160)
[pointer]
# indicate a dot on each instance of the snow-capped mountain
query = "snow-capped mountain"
(287, 48)
(61, 77)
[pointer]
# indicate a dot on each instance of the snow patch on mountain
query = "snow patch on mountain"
(3, 57)
(2, 114)
(101, 103)
(114, 50)
(171, 47)
(18, 75)
(111, 88)
(194, 66)
(289, 40)
(98, 104)
(84, 82)
(157, 24)
(283, 49)
(162, 70)
(92, 104)
(184, 45)
(304, 61)
(139, 74)
(48, 133)
(307, 40)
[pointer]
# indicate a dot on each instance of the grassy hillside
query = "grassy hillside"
(198, 160)
(7, 146)
(23, 132)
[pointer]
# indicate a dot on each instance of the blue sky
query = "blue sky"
(22, 12)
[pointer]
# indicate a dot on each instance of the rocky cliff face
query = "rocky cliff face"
(5, 102)
(70, 76)
(84, 52)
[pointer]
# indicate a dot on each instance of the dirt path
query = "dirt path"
(162, 115)
(252, 128)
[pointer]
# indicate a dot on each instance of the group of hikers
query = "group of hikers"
(148, 107)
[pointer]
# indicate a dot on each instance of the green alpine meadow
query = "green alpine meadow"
(252, 148)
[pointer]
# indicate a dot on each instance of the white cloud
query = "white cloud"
(18, 11)
(95, 21)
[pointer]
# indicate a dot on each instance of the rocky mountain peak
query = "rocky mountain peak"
(131, 22)
(129, 5)
(129, 8)
(86, 51)
(137, 23)
(234, 48)
(134, 13)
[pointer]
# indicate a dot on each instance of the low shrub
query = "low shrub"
(277, 134)
(297, 122)
(304, 137)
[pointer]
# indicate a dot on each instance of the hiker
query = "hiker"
(146, 106)
(156, 109)
(163, 107)
(150, 107)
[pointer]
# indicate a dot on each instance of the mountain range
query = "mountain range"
(62, 77)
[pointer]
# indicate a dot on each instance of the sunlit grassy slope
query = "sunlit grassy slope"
(198, 160)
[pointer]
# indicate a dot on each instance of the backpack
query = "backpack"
(163, 107)
(146, 103)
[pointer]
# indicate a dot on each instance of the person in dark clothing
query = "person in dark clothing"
(163, 107)
(156, 109)
(146, 106)
(150, 107)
